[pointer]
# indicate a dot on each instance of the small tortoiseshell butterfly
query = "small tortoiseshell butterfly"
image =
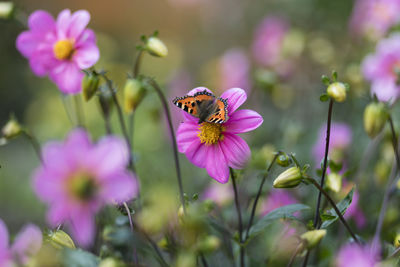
(205, 106)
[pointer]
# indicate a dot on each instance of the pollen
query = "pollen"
(210, 133)
(63, 49)
(82, 186)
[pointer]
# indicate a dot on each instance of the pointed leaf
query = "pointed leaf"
(342, 206)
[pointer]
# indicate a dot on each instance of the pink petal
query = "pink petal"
(197, 153)
(236, 151)
(82, 226)
(27, 243)
(236, 97)
(63, 21)
(86, 37)
(46, 184)
(27, 42)
(199, 89)
(216, 164)
(186, 135)
(41, 22)
(54, 157)
(189, 118)
(57, 213)
(78, 23)
(78, 138)
(68, 77)
(119, 187)
(242, 121)
(3, 237)
(86, 56)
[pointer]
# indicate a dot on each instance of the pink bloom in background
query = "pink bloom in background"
(26, 244)
(276, 199)
(373, 18)
(219, 193)
(381, 67)
(217, 147)
(60, 49)
(354, 255)
(78, 178)
(340, 139)
(234, 70)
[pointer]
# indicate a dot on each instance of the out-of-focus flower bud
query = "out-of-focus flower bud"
(293, 43)
(262, 157)
(337, 91)
(134, 93)
(334, 182)
(396, 241)
(60, 239)
(156, 47)
(11, 129)
(6, 10)
(90, 84)
(209, 244)
(313, 237)
(111, 262)
(375, 117)
(163, 243)
(186, 259)
(289, 178)
(106, 102)
(283, 160)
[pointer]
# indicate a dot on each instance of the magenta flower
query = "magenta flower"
(373, 18)
(78, 178)
(353, 255)
(276, 199)
(217, 147)
(26, 244)
(221, 194)
(60, 49)
(382, 68)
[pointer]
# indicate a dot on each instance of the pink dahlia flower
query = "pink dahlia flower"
(78, 178)
(354, 255)
(373, 18)
(217, 147)
(26, 244)
(219, 193)
(383, 67)
(277, 199)
(60, 49)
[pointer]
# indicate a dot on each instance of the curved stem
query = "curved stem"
(203, 260)
(80, 115)
(35, 144)
(164, 102)
(239, 213)
(297, 250)
(253, 210)
(132, 229)
(136, 66)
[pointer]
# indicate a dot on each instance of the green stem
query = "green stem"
(138, 61)
(35, 144)
(80, 115)
(239, 214)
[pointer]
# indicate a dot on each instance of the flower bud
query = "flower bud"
(134, 93)
(60, 239)
(283, 160)
(313, 237)
(337, 91)
(90, 84)
(375, 117)
(289, 178)
(6, 10)
(11, 129)
(105, 101)
(209, 244)
(111, 262)
(396, 241)
(334, 182)
(156, 47)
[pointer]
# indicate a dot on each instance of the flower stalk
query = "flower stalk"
(239, 214)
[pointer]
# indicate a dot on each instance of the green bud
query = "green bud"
(156, 47)
(396, 241)
(209, 244)
(6, 10)
(186, 259)
(11, 129)
(337, 91)
(312, 238)
(105, 101)
(375, 117)
(111, 262)
(292, 177)
(334, 182)
(134, 93)
(283, 160)
(90, 84)
(60, 239)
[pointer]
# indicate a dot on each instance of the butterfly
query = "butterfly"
(205, 106)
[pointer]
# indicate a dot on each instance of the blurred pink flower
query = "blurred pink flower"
(234, 70)
(276, 199)
(217, 147)
(354, 255)
(78, 178)
(373, 18)
(382, 68)
(26, 244)
(60, 49)
(340, 139)
(219, 193)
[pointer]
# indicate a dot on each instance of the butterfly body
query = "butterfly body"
(205, 106)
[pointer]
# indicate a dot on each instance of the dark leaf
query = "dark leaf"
(342, 206)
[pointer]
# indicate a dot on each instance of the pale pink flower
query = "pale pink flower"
(221, 194)
(276, 199)
(354, 255)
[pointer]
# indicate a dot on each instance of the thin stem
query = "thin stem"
(136, 66)
(253, 210)
(239, 214)
(67, 109)
(315, 183)
(394, 253)
(394, 142)
(131, 128)
(155, 247)
(132, 229)
(292, 258)
(35, 144)
(203, 260)
(164, 102)
(80, 115)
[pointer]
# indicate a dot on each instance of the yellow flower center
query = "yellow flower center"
(82, 186)
(210, 133)
(63, 49)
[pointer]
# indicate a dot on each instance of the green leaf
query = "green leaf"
(79, 258)
(324, 98)
(285, 212)
(334, 75)
(326, 217)
(342, 206)
(335, 167)
(325, 79)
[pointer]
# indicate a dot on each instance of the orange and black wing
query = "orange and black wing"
(187, 103)
(221, 113)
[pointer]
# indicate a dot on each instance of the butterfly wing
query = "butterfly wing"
(220, 115)
(187, 103)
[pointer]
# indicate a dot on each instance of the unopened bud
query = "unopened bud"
(313, 237)
(209, 244)
(134, 93)
(289, 178)
(60, 239)
(111, 262)
(334, 182)
(283, 160)
(6, 10)
(163, 243)
(375, 117)
(11, 129)
(106, 101)
(156, 47)
(396, 241)
(90, 84)
(337, 91)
